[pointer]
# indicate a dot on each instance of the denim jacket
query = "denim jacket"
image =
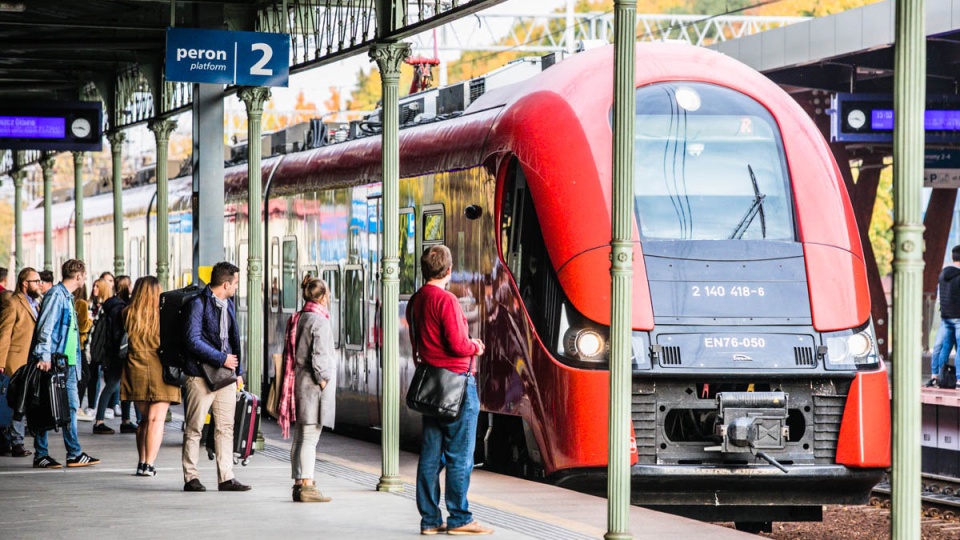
(53, 323)
(202, 316)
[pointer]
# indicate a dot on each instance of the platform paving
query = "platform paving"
(108, 501)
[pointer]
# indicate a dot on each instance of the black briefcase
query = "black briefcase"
(49, 408)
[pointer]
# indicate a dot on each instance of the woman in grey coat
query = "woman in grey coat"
(314, 385)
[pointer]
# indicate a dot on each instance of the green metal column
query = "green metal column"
(78, 204)
(389, 57)
(116, 139)
(254, 99)
(909, 101)
(18, 176)
(161, 132)
(46, 164)
(621, 270)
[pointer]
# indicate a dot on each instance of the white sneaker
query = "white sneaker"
(117, 410)
(108, 413)
(82, 416)
(90, 412)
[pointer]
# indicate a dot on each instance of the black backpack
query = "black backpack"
(173, 332)
(107, 334)
(948, 375)
(100, 340)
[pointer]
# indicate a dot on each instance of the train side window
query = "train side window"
(243, 253)
(291, 286)
(433, 225)
(331, 274)
(353, 295)
(408, 251)
(306, 270)
(275, 274)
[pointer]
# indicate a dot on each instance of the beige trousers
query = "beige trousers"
(197, 401)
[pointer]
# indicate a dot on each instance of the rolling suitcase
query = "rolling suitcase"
(245, 427)
(48, 407)
(172, 332)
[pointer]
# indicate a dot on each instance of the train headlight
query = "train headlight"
(585, 344)
(851, 349)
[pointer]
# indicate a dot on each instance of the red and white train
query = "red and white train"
(758, 393)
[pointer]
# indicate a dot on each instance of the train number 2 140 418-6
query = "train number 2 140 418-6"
(712, 291)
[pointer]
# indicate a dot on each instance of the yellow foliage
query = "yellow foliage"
(881, 224)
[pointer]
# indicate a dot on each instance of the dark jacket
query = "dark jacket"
(111, 314)
(950, 293)
(202, 316)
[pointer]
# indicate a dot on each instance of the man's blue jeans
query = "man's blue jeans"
(70, 439)
(450, 445)
(948, 335)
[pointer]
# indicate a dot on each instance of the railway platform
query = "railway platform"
(108, 501)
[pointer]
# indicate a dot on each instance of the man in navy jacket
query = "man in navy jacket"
(211, 338)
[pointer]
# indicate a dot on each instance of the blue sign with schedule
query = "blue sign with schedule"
(221, 57)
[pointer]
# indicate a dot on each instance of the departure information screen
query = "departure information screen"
(33, 127)
(870, 118)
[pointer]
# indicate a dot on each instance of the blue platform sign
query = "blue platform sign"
(221, 57)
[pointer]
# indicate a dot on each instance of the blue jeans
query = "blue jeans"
(11, 430)
(70, 439)
(948, 335)
(450, 445)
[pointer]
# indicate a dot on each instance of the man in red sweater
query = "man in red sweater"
(440, 338)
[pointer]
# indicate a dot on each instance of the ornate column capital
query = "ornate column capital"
(116, 139)
(46, 164)
(18, 176)
(389, 55)
(162, 129)
(78, 158)
(254, 97)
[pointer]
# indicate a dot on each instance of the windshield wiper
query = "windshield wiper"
(755, 208)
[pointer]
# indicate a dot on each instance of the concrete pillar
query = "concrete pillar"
(909, 103)
(389, 57)
(18, 176)
(254, 99)
(46, 164)
(78, 204)
(161, 132)
(621, 270)
(116, 139)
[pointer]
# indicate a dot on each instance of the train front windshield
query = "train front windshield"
(709, 165)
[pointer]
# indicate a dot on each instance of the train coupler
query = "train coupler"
(752, 422)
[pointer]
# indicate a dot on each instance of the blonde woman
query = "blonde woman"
(142, 379)
(84, 325)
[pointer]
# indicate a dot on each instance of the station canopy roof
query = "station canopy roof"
(852, 51)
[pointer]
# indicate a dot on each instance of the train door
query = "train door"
(372, 358)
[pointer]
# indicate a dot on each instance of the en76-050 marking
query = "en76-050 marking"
(742, 291)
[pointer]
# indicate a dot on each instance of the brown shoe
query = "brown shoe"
(470, 529)
(436, 530)
(19, 451)
(312, 494)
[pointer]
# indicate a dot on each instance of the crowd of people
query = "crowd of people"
(53, 326)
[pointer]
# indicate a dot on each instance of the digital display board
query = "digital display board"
(51, 125)
(33, 127)
(870, 118)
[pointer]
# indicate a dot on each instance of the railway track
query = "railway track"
(940, 498)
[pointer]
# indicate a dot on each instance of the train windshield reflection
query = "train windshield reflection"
(706, 158)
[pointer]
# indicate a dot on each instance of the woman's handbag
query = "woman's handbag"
(437, 392)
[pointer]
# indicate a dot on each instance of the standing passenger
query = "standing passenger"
(84, 324)
(56, 336)
(948, 334)
(440, 338)
(212, 338)
(111, 315)
(46, 281)
(308, 394)
(143, 374)
(18, 319)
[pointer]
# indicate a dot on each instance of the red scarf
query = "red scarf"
(288, 400)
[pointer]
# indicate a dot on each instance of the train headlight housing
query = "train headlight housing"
(851, 349)
(585, 344)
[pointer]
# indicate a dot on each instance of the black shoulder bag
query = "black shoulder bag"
(435, 391)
